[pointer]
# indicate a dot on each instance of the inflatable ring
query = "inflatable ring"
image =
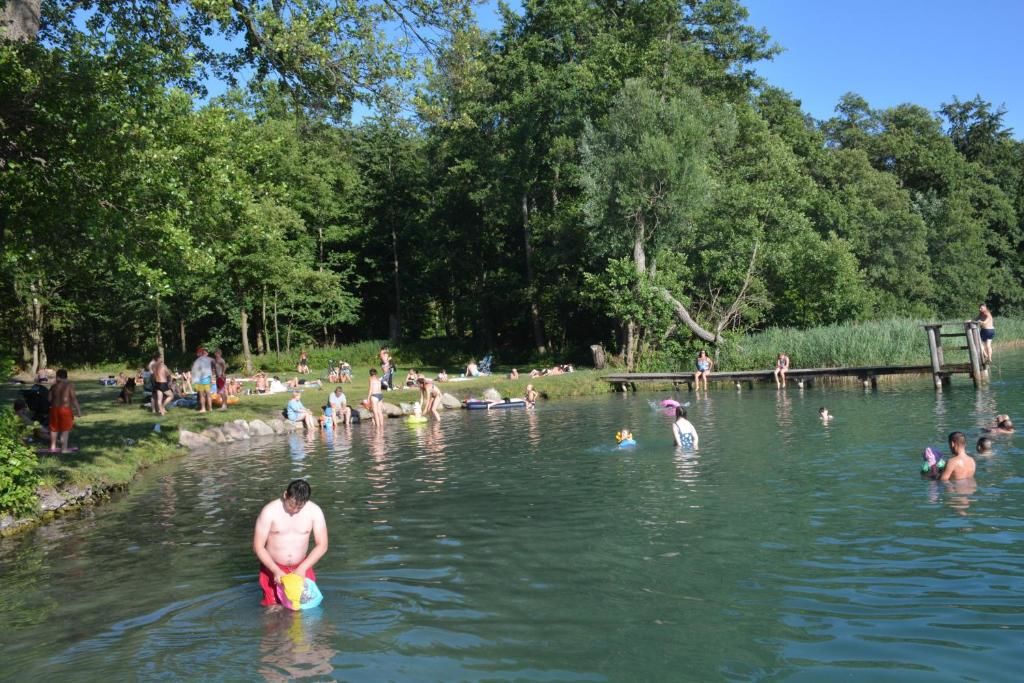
(416, 419)
(626, 443)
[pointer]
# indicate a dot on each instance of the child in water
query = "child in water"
(624, 436)
(824, 414)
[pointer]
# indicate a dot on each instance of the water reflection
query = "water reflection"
(296, 646)
(524, 546)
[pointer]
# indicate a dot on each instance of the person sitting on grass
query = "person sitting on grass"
(262, 382)
(298, 413)
(24, 415)
(302, 367)
(442, 376)
(472, 369)
(339, 404)
(344, 372)
(514, 374)
(411, 378)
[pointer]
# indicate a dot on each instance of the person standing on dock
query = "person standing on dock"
(704, 365)
(781, 368)
(988, 332)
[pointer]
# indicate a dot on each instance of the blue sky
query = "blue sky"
(919, 51)
(889, 51)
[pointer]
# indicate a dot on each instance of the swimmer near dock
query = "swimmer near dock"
(976, 368)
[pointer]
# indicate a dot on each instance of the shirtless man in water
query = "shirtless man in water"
(960, 465)
(281, 538)
(63, 409)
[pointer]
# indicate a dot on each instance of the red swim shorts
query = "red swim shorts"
(220, 384)
(267, 583)
(62, 419)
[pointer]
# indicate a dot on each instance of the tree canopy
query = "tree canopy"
(591, 172)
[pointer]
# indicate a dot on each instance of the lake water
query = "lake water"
(523, 546)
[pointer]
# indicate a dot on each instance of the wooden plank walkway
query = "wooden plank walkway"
(867, 374)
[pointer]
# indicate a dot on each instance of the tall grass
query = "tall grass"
(889, 342)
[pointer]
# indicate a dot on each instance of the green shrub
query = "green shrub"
(19, 468)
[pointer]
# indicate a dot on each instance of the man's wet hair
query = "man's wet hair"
(984, 444)
(958, 440)
(298, 491)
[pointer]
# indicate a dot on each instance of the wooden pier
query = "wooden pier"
(940, 371)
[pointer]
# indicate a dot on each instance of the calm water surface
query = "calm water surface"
(517, 546)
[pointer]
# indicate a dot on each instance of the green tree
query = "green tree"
(645, 176)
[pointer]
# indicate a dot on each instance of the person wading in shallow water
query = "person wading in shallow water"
(281, 538)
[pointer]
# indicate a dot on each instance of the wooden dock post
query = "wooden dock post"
(974, 351)
(935, 351)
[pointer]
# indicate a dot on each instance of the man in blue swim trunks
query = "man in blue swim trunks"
(988, 332)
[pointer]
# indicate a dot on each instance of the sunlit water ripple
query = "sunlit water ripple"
(524, 546)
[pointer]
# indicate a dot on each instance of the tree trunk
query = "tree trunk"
(629, 353)
(35, 330)
(535, 323)
(263, 314)
(640, 263)
(19, 19)
(395, 320)
(243, 323)
(181, 331)
(159, 334)
(277, 336)
(686, 319)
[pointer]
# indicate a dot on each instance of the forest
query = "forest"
(591, 172)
